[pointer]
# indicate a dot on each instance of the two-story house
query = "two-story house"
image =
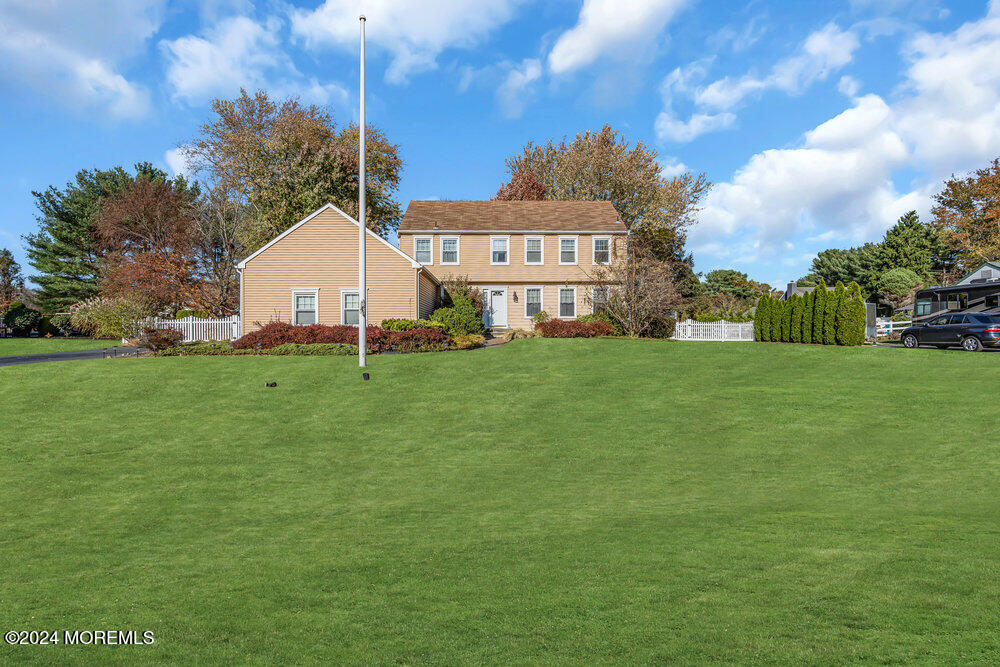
(526, 256)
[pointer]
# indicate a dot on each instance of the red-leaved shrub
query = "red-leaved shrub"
(423, 339)
(574, 329)
(279, 333)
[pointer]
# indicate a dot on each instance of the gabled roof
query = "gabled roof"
(512, 216)
(992, 265)
(414, 263)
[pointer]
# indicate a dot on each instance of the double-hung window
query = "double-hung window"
(602, 250)
(599, 299)
(304, 307)
(498, 250)
(350, 307)
(449, 250)
(567, 302)
(532, 301)
(423, 249)
(533, 252)
(567, 250)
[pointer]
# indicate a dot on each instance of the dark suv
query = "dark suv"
(972, 331)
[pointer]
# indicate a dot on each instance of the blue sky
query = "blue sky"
(819, 122)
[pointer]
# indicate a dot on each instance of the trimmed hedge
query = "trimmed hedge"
(829, 318)
(469, 341)
(424, 339)
(314, 350)
(225, 349)
(574, 329)
(402, 324)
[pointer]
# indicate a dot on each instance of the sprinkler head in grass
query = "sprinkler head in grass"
(270, 384)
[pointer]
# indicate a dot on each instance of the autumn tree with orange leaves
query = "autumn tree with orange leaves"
(968, 215)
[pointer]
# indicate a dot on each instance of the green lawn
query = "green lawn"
(10, 347)
(548, 501)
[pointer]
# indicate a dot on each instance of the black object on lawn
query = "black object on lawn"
(365, 376)
(270, 384)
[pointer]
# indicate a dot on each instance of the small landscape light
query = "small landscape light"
(270, 384)
(365, 377)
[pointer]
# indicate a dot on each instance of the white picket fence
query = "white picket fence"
(884, 327)
(721, 330)
(196, 328)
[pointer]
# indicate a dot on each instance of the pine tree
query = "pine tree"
(807, 317)
(63, 251)
(819, 311)
(796, 334)
(830, 314)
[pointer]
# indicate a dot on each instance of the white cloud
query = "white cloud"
(176, 162)
(611, 28)
(414, 33)
(62, 50)
(823, 52)
(848, 85)
(238, 52)
(839, 184)
(671, 128)
(517, 85)
(671, 167)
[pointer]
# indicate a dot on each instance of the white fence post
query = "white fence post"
(721, 330)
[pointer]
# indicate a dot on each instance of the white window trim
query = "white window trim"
(430, 240)
(541, 239)
(541, 299)
(507, 263)
(593, 249)
(348, 290)
(576, 306)
(576, 251)
(314, 292)
(458, 250)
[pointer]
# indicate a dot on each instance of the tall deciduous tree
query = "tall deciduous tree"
(64, 252)
(968, 215)
(284, 160)
(605, 166)
(522, 186)
(11, 280)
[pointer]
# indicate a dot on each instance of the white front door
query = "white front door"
(495, 306)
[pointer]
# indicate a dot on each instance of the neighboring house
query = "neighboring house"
(309, 274)
(977, 292)
(793, 288)
(526, 256)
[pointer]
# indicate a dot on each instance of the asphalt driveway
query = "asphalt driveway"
(100, 353)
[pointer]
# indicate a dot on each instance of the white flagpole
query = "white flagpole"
(362, 287)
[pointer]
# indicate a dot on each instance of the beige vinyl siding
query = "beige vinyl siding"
(427, 291)
(516, 318)
(475, 258)
(322, 254)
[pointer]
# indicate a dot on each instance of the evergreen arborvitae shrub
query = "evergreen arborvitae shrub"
(796, 335)
(830, 317)
(756, 319)
(819, 311)
(765, 322)
(807, 317)
(782, 327)
(787, 320)
(775, 320)
(852, 317)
